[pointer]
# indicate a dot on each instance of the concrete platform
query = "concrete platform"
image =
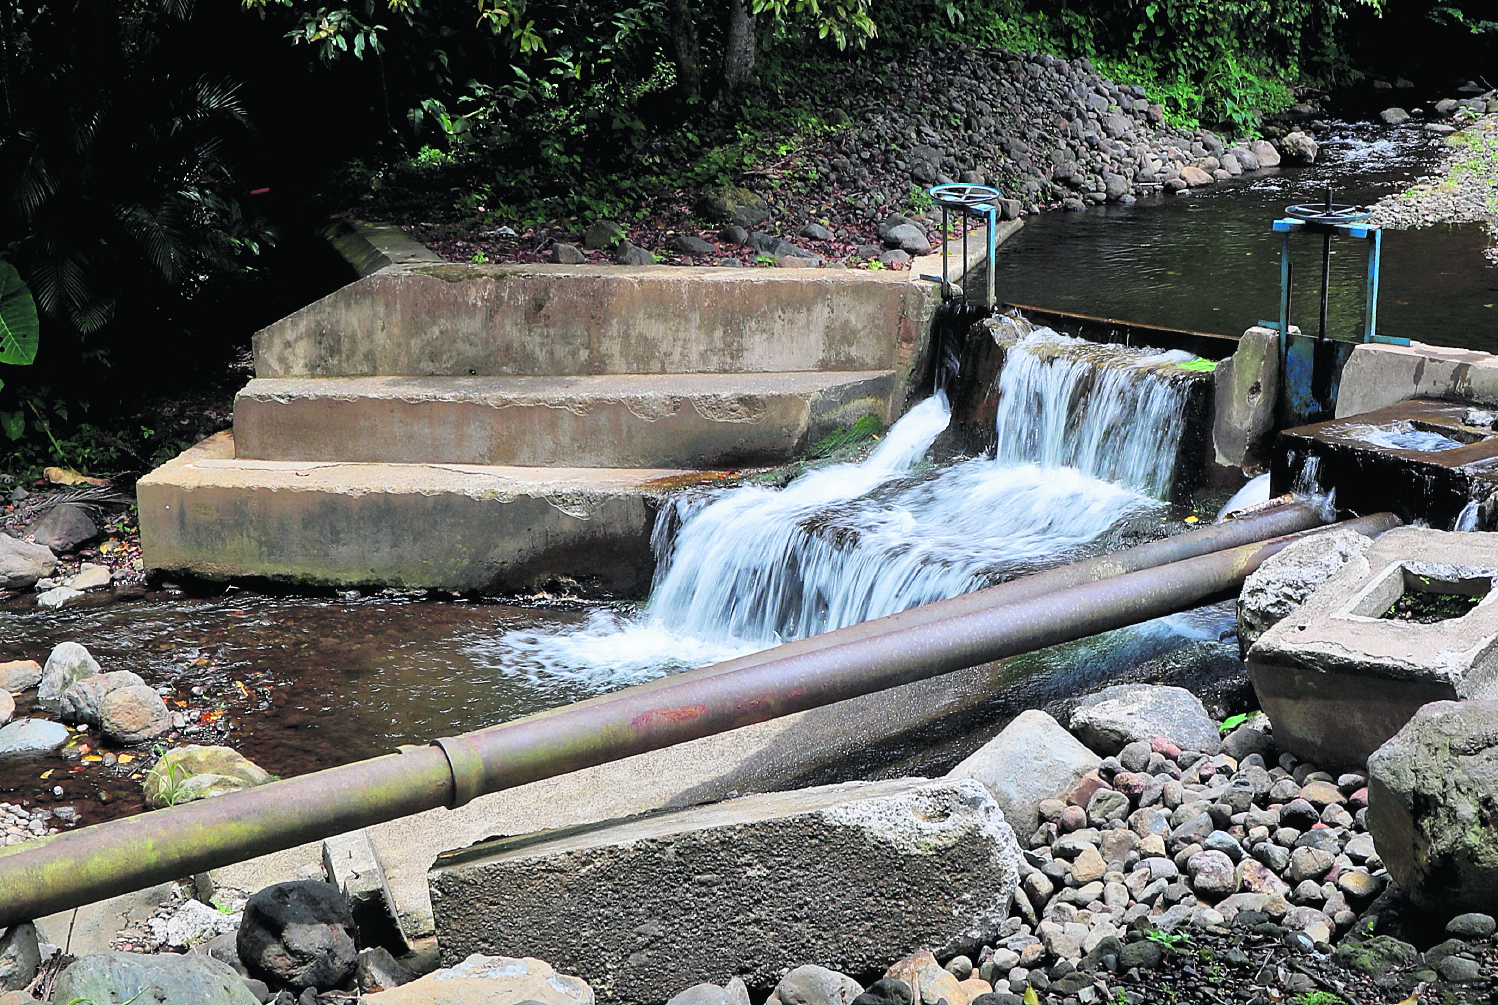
(1338, 678)
(630, 420)
(423, 526)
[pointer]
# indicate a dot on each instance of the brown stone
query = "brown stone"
(1088, 867)
(1322, 794)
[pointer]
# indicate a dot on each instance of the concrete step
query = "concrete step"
(454, 527)
(615, 420)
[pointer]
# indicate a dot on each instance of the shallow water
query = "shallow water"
(1210, 262)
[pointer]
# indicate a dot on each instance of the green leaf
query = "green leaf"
(13, 424)
(1231, 723)
(18, 320)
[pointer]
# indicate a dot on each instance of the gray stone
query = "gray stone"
(1285, 580)
(732, 993)
(1376, 956)
(63, 528)
(350, 863)
(815, 232)
(1431, 810)
(7, 707)
(1105, 806)
(709, 886)
(733, 235)
(689, 245)
(1123, 713)
(1031, 760)
(193, 771)
(1459, 970)
(377, 970)
(602, 235)
(490, 980)
(1298, 148)
(298, 935)
(813, 985)
(1471, 926)
(894, 259)
(90, 577)
(19, 956)
(1249, 739)
(68, 664)
(1212, 874)
(1337, 679)
(889, 223)
(1117, 125)
(1446, 106)
(29, 736)
(1265, 153)
(1394, 116)
(169, 979)
(567, 254)
(733, 205)
(908, 238)
(134, 714)
(22, 563)
(631, 254)
(58, 596)
(80, 703)
(1145, 955)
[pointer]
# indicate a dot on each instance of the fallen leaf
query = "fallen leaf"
(91, 758)
(64, 476)
(126, 758)
(48, 773)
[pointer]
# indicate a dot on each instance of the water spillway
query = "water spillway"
(1087, 439)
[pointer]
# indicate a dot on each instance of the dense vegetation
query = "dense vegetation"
(161, 163)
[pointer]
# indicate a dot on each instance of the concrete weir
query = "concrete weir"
(507, 427)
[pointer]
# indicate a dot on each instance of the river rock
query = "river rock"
(929, 983)
(813, 985)
(1265, 153)
(709, 885)
(732, 205)
(815, 232)
(58, 596)
(7, 707)
(688, 244)
(63, 528)
(30, 736)
(22, 563)
(89, 577)
(1433, 805)
(134, 714)
(200, 772)
(19, 956)
(80, 703)
(1033, 759)
(168, 979)
(567, 254)
(490, 980)
(631, 254)
(298, 935)
(1120, 714)
(1394, 116)
(68, 664)
(1284, 580)
(1195, 177)
(1298, 148)
(909, 238)
(20, 675)
(602, 235)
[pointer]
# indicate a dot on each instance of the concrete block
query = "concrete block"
(621, 421)
(1032, 760)
(1377, 376)
(435, 526)
(370, 247)
(1247, 388)
(1338, 679)
(844, 876)
(351, 865)
(575, 320)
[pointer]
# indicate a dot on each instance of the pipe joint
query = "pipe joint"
(467, 769)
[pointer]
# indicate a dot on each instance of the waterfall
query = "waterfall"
(1087, 434)
(1468, 519)
(1111, 411)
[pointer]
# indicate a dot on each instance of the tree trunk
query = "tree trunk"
(686, 51)
(739, 49)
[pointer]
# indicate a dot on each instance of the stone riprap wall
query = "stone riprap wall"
(1042, 130)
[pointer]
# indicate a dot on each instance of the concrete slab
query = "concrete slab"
(624, 421)
(1376, 376)
(562, 320)
(422, 526)
(1338, 678)
(847, 876)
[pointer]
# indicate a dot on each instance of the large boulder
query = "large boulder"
(1284, 581)
(134, 714)
(298, 935)
(198, 772)
(1121, 714)
(1032, 760)
(1265, 153)
(32, 736)
(161, 980)
(814, 985)
(80, 703)
(63, 528)
(23, 563)
(732, 205)
(19, 956)
(68, 664)
(850, 875)
(1298, 148)
(1433, 805)
(490, 980)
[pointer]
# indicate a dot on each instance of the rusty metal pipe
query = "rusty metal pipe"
(53, 874)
